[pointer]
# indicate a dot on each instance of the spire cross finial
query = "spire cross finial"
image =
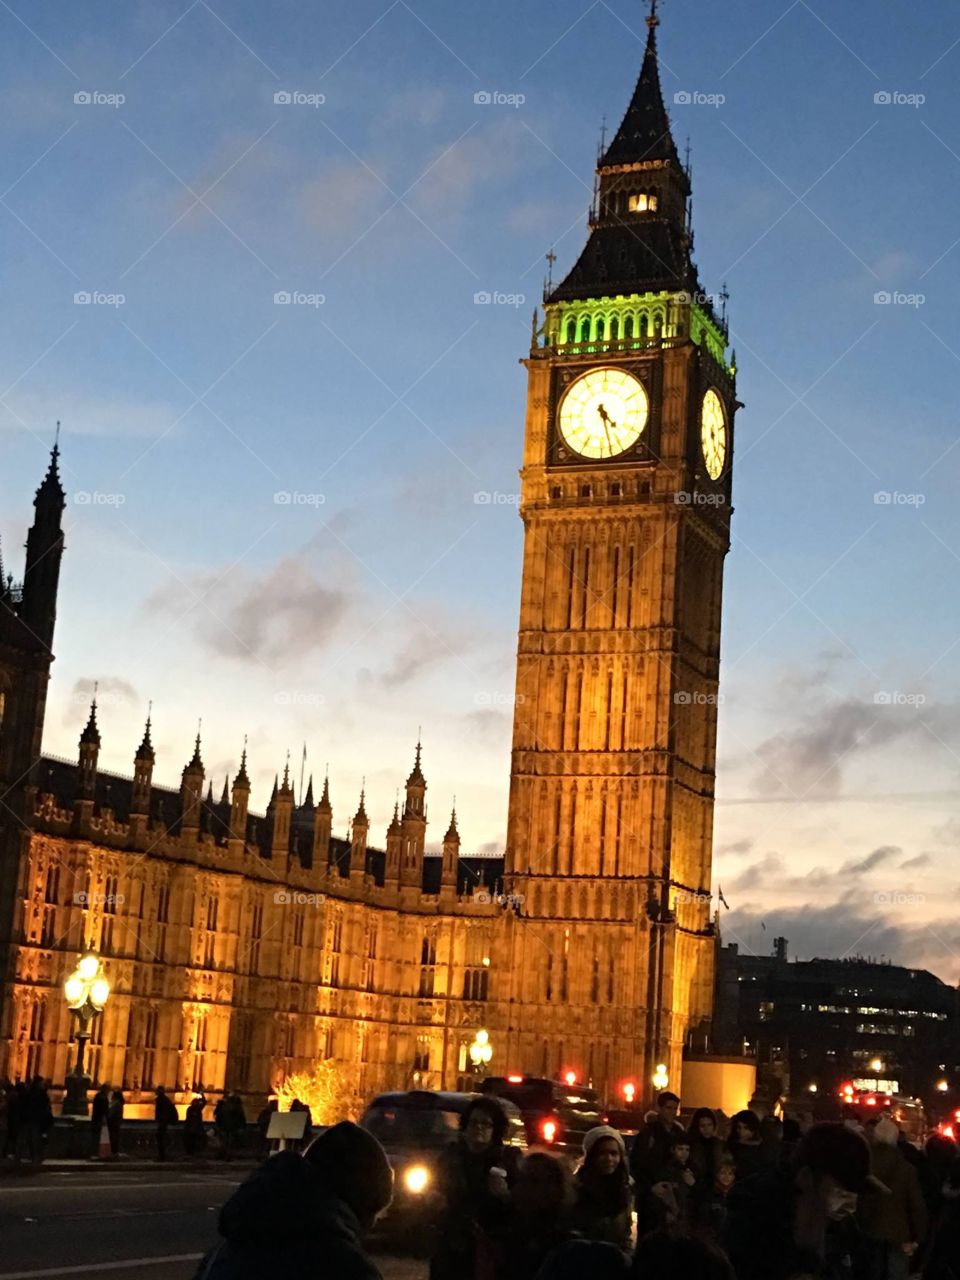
(653, 20)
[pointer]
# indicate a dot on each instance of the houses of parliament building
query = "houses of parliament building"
(241, 948)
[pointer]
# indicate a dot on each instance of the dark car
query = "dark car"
(556, 1115)
(413, 1129)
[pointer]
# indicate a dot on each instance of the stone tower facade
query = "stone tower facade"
(626, 486)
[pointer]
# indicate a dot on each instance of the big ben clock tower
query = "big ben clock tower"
(626, 490)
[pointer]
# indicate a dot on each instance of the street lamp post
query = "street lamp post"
(86, 992)
(481, 1051)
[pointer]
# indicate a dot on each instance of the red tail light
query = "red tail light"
(548, 1130)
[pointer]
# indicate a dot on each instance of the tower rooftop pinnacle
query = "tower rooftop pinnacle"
(145, 751)
(644, 132)
(91, 734)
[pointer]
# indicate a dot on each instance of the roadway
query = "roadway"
(122, 1225)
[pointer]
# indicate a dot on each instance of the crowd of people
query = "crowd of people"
(711, 1199)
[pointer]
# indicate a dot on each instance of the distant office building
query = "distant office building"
(816, 1025)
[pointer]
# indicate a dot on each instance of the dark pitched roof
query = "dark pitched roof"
(644, 132)
(635, 258)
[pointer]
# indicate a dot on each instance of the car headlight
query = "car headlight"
(416, 1179)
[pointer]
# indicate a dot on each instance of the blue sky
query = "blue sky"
(383, 596)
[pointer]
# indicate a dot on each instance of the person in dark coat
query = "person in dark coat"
(36, 1119)
(538, 1227)
(746, 1145)
(604, 1191)
(115, 1121)
(263, 1126)
(301, 1216)
(650, 1149)
(707, 1148)
(710, 1204)
(474, 1176)
(788, 1222)
(98, 1116)
(164, 1115)
(13, 1114)
(942, 1261)
(583, 1259)
(194, 1130)
(665, 1256)
(893, 1221)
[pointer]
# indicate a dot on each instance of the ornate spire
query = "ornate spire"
(361, 814)
(307, 802)
(286, 789)
(91, 734)
(452, 832)
(196, 762)
(145, 750)
(416, 774)
(51, 490)
(241, 780)
(273, 793)
(644, 132)
(324, 805)
(395, 828)
(225, 793)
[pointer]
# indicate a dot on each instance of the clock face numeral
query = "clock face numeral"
(713, 434)
(604, 413)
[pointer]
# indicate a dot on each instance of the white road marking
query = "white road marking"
(119, 1186)
(100, 1266)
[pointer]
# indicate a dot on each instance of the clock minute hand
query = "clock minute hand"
(607, 423)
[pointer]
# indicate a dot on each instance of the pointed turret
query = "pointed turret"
(191, 791)
(239, 803)
(640, 240)
(225, 793)
(282, 805)
(89, 753)
(359, 832)
(307, 801)
(644, 132)
(38, 606)
(323, 827)
(414, 826)
(143, 763)
(451, 854)
(394, 846)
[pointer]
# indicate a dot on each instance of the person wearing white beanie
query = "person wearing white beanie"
(603, 1209)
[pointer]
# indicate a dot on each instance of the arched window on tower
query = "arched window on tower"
(614, 329)
(628, 327)
(601, 329)
(571, 330)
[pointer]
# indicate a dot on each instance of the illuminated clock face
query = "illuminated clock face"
(713, 434)
(604, 413)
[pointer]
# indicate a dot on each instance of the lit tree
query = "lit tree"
(331, 1090)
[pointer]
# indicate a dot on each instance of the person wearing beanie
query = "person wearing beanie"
(800, 1219)
(604, 1189)
(300, 1216)
(894, 1221)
